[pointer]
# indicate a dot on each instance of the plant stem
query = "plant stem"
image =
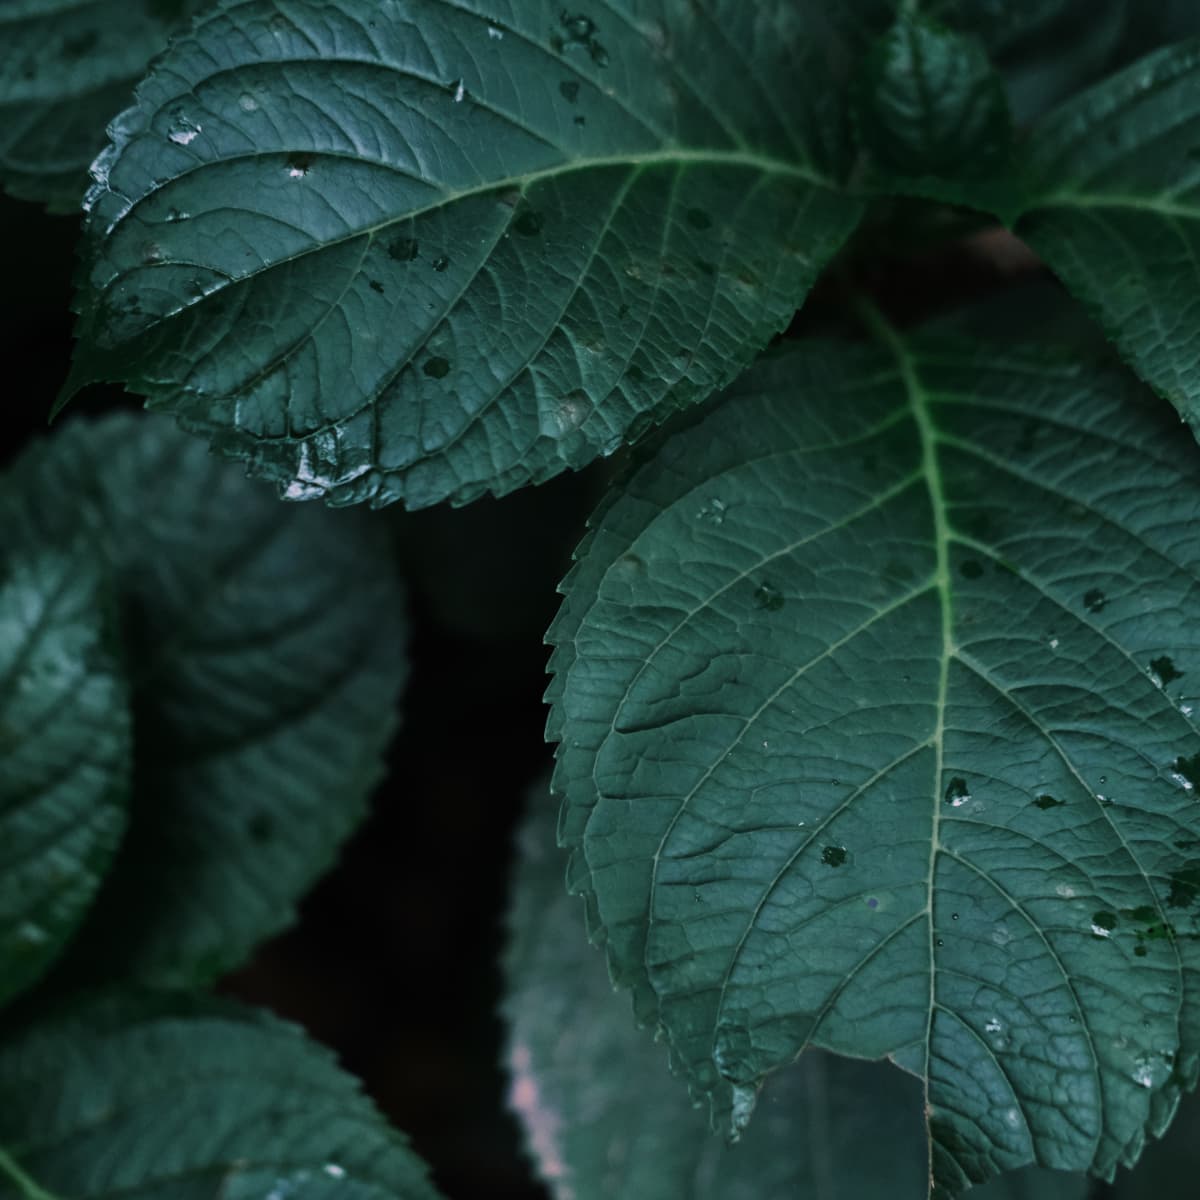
(30, 1187)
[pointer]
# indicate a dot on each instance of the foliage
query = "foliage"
(873, 677)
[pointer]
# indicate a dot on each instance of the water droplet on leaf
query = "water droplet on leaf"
(957, 793)
(768, 598)
(833, 856)
(1094, 600)
(437, 367)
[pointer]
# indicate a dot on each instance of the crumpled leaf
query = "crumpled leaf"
(265, 647)
(426, 249)
(875, 698)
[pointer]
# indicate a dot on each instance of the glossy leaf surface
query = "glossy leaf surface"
(66, 68)
(420, 250)
(65, 751)
(1116, 175)
(170, 1098)
(265, 645)
(874, 691)
(603, 1118)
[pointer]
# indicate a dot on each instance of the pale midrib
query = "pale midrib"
(1158, 205)
(931, 469)
(28, 1186)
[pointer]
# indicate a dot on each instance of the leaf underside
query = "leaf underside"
(429, 249)
(64, 752)
(871, 695)
(169, 1097)
(66, 67)
(265, 646)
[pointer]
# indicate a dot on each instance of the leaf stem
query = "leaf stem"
(29, 1186)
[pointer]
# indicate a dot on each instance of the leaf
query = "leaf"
(1168, 1169)
(603, 1118)
(1115, 175)
(460, 246)
(166, 1097)
(64, 753)
(265, 646)
(871, 694)
(66, 66)
(932, 114)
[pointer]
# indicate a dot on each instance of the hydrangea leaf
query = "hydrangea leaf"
(875, 700)
(167, 1097)
(65, 751)
(1116, 213)
(604, 1120)
(66, 67)
(424, 249)
(265, 647)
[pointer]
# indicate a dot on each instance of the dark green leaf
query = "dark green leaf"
(172, 1098)
(1116, 179)
(67, 67)
(64, 752)
(868, 742)
(603, 1117)
(932, 113)
(265, 645)
(428, 249)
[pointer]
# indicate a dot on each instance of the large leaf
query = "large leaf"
(1117, 213)
(64, 752)
(172, 1098)
(870, 693)
(603, 1118)
(66, 67)
(265, 646)
(431, 248)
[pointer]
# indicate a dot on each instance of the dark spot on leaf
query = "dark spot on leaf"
(81, 44)
(441, 263)
(578, 27)
(598, 53)
(1189, 768)
(437, 367)
(1094, 600)
(1140, 951)
(705, 267)
(957, 792)
(697, 218)
(768, 598)
(1143, 912)
(971, 569)
(833, 856)
(1045, 801)
(1104, 920)
(376, 286)
(299, 165)
(1185, 886)
(872, 902)
(403, 249)
(1165, 669)
(581, 120)
(570, 90)
(528, 222)
(261, 827)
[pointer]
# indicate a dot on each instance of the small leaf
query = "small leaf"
(64, 753)
(932, 514)
(458, 248)
(265, 646)
(932, 113)
(603, 1118)
(65, 69)
(169, 1096)
(1116, 178)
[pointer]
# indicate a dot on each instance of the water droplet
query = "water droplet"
(567, 416)
(247, 103)
(441, 263)
(697, 218)
(1164, 670)
(1103, 923)
(1054, 643)
(403, 249)
(1094, 600)
(579, 27)
(528, 221)
(954, 916)
(569, 89)
(714, 511)
(457, 90)
(957, 793)
(495, 33)
(598, 53)
(941, 941)
(152, 253)
(1045, 801)
(437, 367)
(1140, 951)
(768, 598)
(176, 214)
(833, 856)
(971, 569)
(334, 1171)
(183, 130)
(994, 1025)
(299, 165)
(629, 566)
(1186, 771)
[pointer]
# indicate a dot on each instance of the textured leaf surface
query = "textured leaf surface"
(169, 1099)
(1117, 214)
(604, 1118)
(870, 689)
(932, 113)
(429, 248)
(65, 751)
(66, 68)
(265, 644)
